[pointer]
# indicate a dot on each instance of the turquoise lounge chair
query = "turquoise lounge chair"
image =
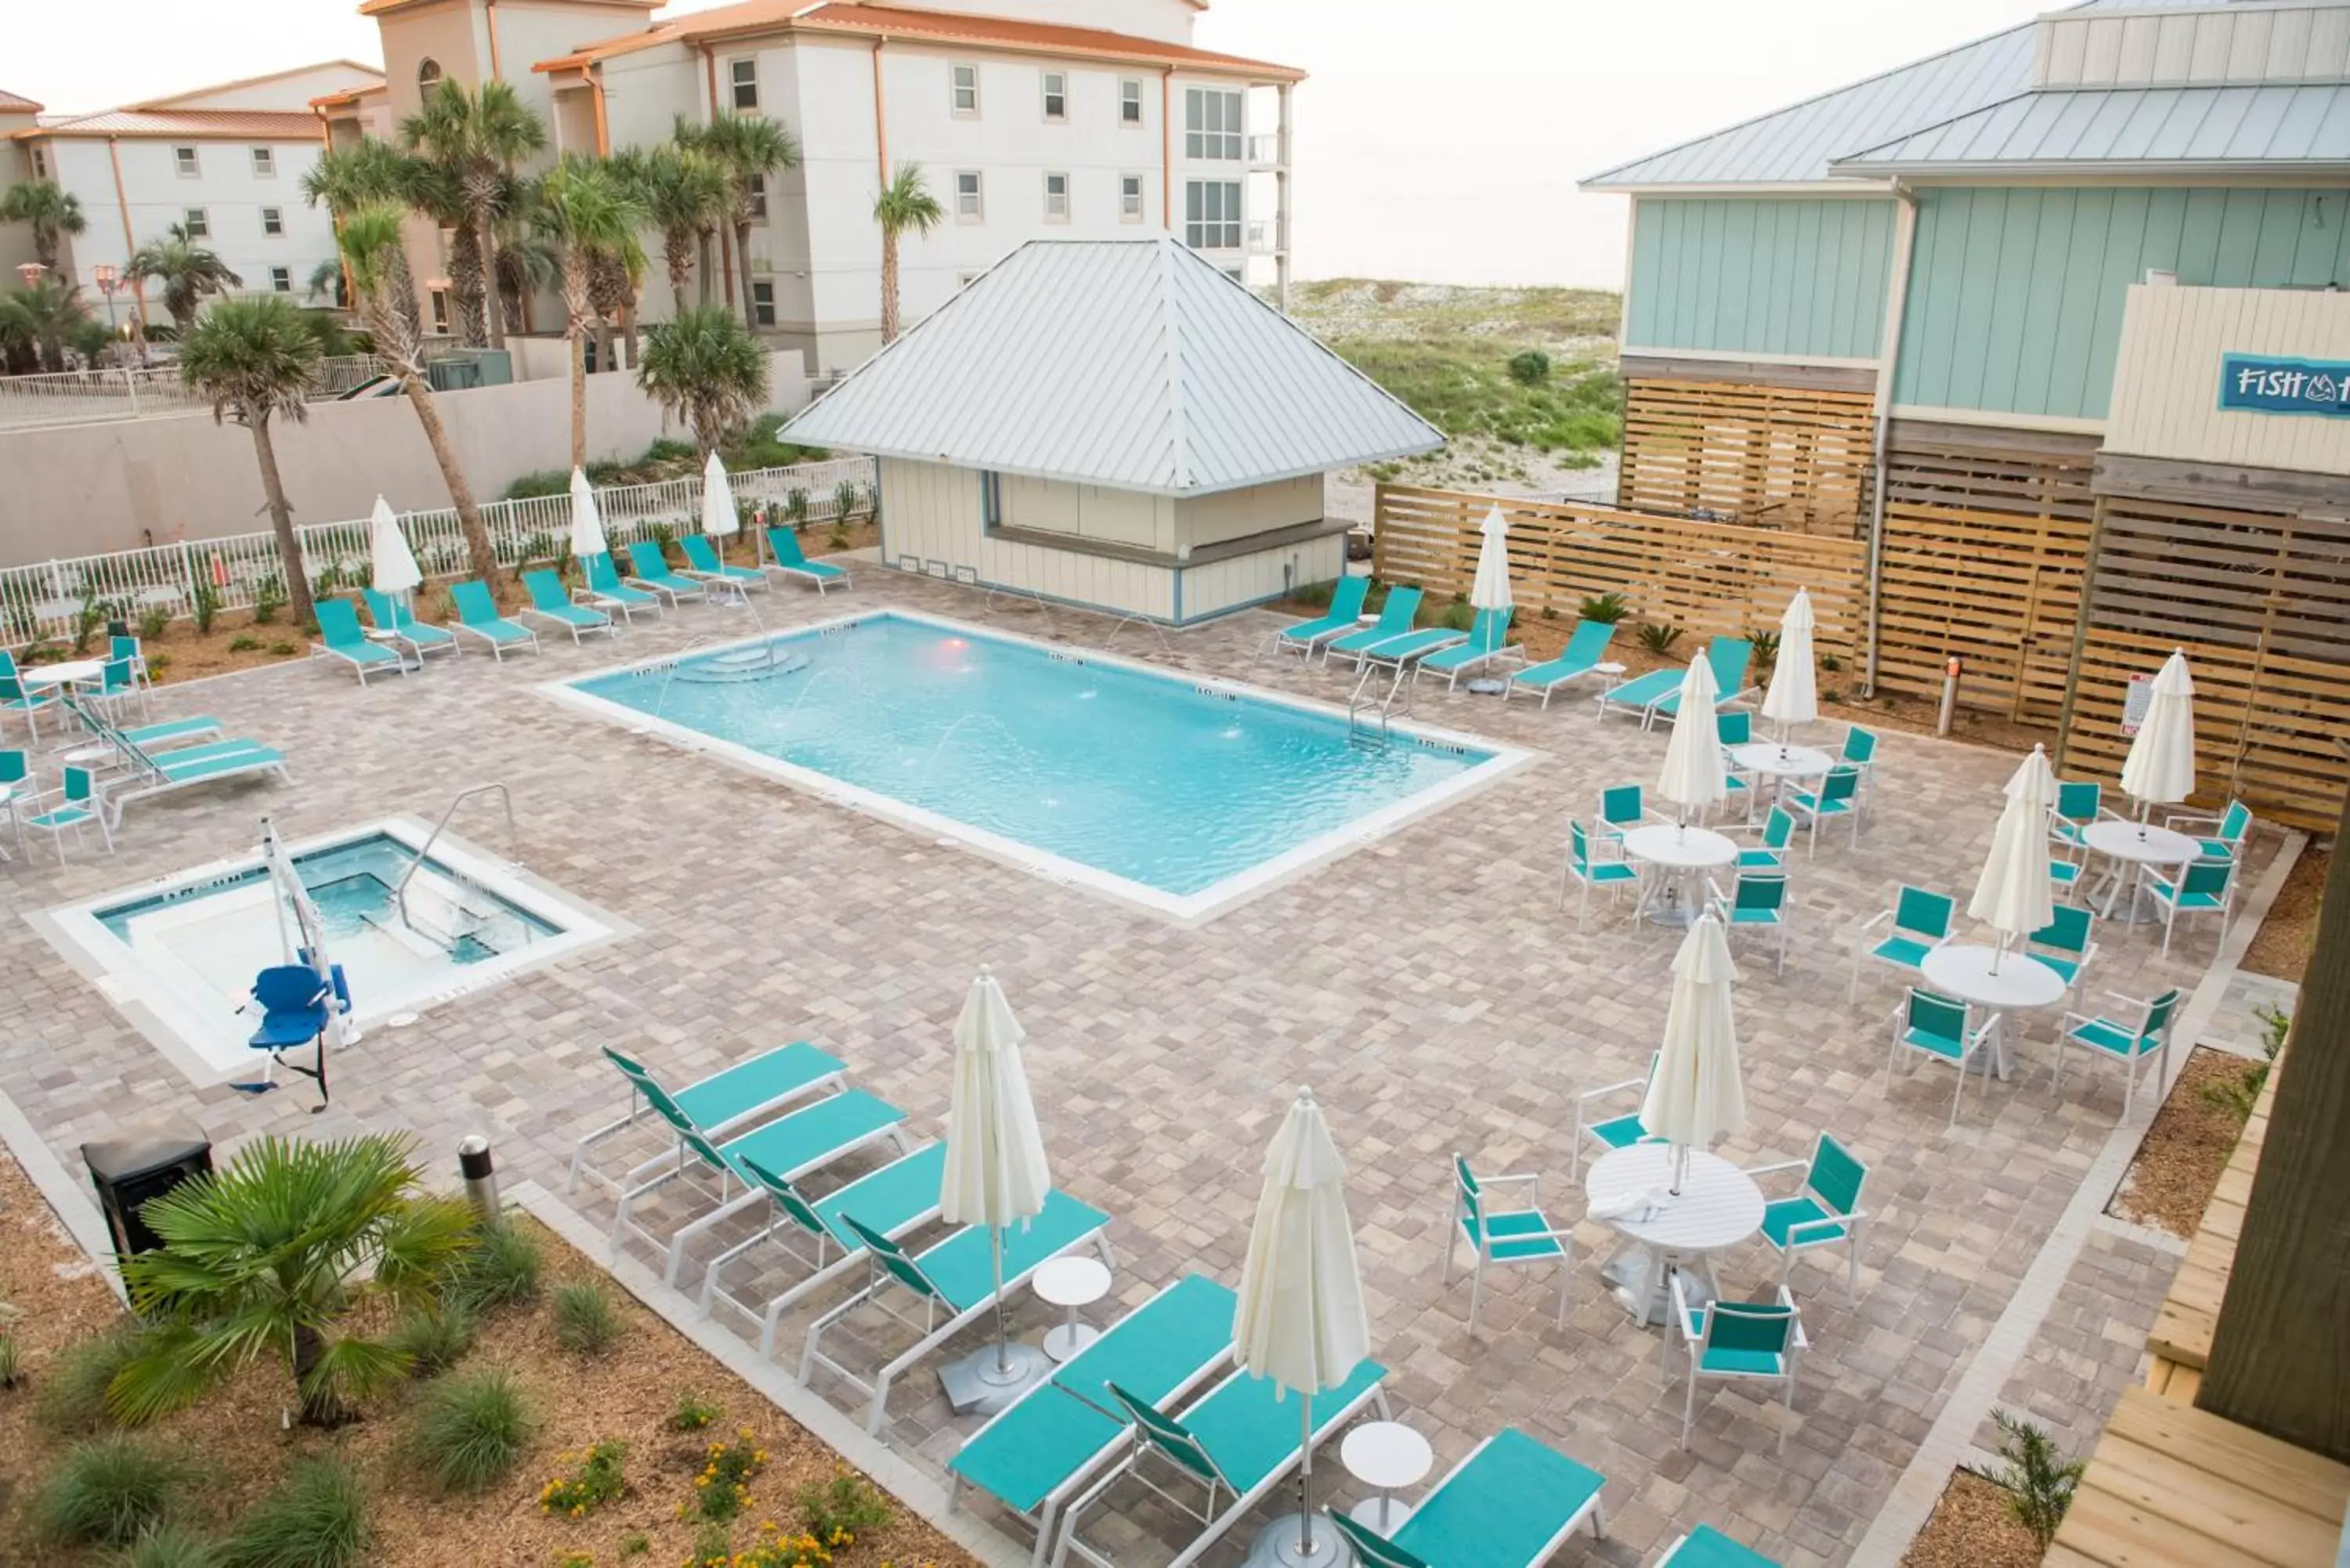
(1581, 655)
(1658, 693)
(1239, 1442)
(1489, 639)
(1033, 1457)
(1344, 614)
(792, 561)
(549, 601)
(701, 559)
(160, 772)
(653, 572)
(397, 621)
(606, 591)
(1395, 620)
(1706, 1547)
(954, 1279)
(477, 613)
(1511, 1503)
(342, 638)
(731, 1098)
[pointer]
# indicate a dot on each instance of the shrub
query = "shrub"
(714, 1547)
(170, 1546)
(540, 546)
(73, 1389)
(207, 606)
(502, 1269)
(1766, 648)
(1659, 639)
(2237, 1093)
(12, 1371)
(585, 1323)
(108, 1489)
(546, 482)
(1530, 368)
(845, 498)
(153, 622)
(1830, 663)
(156, 664)
(723, 1490)
(433, 1339)
(1457, 617)
(242, 644)
(268, 598)
(2037, 1475)
(776, 1547)
(1607, 608)
(468, 1430)
(595, 1480)
(666, 450)
(284, 649)
(843, 1508)
(692, 1413)
(316, 1518)
(636, 1544)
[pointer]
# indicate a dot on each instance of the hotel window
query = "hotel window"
(1129, 198)
(1056, 95)
(273, 221)
(183, 159)
(198, 223)
(763, 302)
(1212, 123)
(1212, 214)
(427, 74)
(968, 206)
(744, 75)
(440, 312)
(281, 280)
(758, 203)
(1057, 198)
(40, 165)
(965, 79)
(265, 163)
(1129, 101)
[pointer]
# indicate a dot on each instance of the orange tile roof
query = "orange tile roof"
(752, 16)
(12, 104)
(238, 124)
(348, 97)
(379, 8)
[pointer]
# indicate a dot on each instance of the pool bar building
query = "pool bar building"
(2054, 322)
(1113, 424)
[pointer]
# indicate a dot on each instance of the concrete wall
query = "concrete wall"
(2167, 382)
(86, 488)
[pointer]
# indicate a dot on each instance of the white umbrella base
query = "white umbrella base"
(975, 1385)
(1276, 1545)
(1639, 1288)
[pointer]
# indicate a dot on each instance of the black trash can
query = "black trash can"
(143, 1163)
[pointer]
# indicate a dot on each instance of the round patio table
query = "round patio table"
(1719, 1206)
(2137, 846)
(2020, 983)
(72, 672)
(1677, 855)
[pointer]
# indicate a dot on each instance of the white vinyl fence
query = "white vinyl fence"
(47, 600)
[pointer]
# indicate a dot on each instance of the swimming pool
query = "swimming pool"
(177, 954)
(1176, 792)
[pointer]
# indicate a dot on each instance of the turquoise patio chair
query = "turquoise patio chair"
(121, 646)
(1757, 901)
(786, 555)
(2203, 887)
(606, 591)
(649, 570)
(1035, 1455)
(1736, 1342)
(549, 601)
(1489, 639)
(2065, 945)
(1826, 1213)
(340, 635)
(2128, 1044)
(76, 804)
(1583, 869)
(1511, 1503)
(719, 1103)
(1623, 807)
(477, 615)
(1346, 608)
(2221, 838)
(702, 560)
(1585, 650)
(1920, 923)
(1239, 1442)
(23, 701)
(15, 790)
(954, 1279)
(1940, 1030)
(119, 687)
(1769, 851)
(1512, 1237)
(1706, 1547)
(1836, 797)
(1622, 1130)
(1734, 730)
(1730, 657)
(1395, 619)
(1859, 753)
(397, 622)
(2079, 805)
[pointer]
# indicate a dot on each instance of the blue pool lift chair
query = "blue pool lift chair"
(296, 1010)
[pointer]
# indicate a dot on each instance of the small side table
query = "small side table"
(1611, 673)
(1388, 1456)
(1071, 1283)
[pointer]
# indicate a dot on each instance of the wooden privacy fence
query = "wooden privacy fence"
(1710, 578)
(1782, 456)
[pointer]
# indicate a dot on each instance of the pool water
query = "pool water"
(1156, 781)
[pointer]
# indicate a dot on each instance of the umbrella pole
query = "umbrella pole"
(1002, 1333)
(1305, 1478)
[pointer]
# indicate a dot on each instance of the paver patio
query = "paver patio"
(1423, 985)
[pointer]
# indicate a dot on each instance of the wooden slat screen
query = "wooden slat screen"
(1781, 457)
(1710, 578)
(1985, 545)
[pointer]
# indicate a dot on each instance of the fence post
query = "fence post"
(188, 573)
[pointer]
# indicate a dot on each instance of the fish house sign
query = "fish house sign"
(2257, 383)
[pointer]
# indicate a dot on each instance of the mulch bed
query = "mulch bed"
(2280, 946)
(628, 1395)
(2170, 1182)
(1970, 1528)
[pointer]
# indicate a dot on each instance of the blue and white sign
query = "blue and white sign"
(2258, 383)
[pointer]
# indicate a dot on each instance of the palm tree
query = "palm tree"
(371, 248)
(587, 211)
(38, 320)
(255, 358)
(687, 195)
(344, 180)
(904, 206)
(750, 148)
(477, 137)
(51, 210)
(527, 264)
(326, 282)
(612, 290)
(187, 270)
(706, 368)
(269, 1257)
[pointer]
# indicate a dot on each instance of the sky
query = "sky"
(1434, 144)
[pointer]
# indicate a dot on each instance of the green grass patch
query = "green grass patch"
(1463, 387)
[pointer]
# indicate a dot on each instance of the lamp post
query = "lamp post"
(108, 280)
(30, 272)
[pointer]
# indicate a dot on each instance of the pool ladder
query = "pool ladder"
(513, 851)
(1369, 711)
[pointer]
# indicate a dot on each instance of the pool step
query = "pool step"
(761, 663)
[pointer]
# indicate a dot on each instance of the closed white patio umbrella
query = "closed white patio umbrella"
(587, 522)
(2015, 896)
(1696, 1094)
(1491, 590)
(718, 516)
(2160, 767)
(995, 1171)
(1794, 698)
(1694, 777)
(392, 565)
(1300, 1321)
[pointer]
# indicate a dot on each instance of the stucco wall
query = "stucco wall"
(87, 489)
